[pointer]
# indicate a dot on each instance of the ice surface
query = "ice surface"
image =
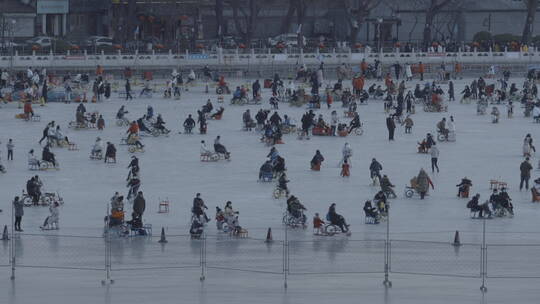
(170, 168)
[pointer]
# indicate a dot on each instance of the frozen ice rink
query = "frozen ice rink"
(61, 266)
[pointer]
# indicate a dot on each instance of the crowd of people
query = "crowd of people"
(399, 103)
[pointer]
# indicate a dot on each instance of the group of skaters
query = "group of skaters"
(117, 217)
(499, 204)
(226, 218)
(500, 93)
(396, 98)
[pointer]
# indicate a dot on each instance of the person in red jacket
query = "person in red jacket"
(133, 128)
(28, 112)
(318, 224)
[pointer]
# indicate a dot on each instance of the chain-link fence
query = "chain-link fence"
(513, 261)
(435, 258)
(145, 253)
(5, 254)
(335, 256)
(60, 252)
(323, 255)
(244, 254)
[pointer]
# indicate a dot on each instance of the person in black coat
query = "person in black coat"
(128, 90)
(397, 70)
(44, 91)
(451, 91)
(464, 186)
(199, 206)
(202, 122)
(110, 152)
(307, 122)
(256, 88)
(139, 205)
(375, 169)
(275, 119)
(134, 162)
(337, 219)
(391, 127)
(189, 124)
(48, 156)
(317, 160)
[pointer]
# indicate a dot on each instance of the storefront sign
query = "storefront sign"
(53, 6)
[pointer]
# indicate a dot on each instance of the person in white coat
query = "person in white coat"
(29, 73)
(320, 77)
(98, 147)
(32, 160)
(58, 134)
(451, 125)
(204, 149)
(334, 120)
(408, 72)
(51, 222)
(536, 113)
(347, 153)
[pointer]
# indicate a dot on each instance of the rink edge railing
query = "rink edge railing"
(338, 255)
(240, 58)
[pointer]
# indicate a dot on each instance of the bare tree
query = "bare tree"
(532, 6)
(249, 17)
(432, 9)
(219, 19)
(298, 8)
(301, 9)
(359, 15)
(130, 27)
(288, 18)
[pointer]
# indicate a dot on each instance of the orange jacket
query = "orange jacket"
(421, 68)
(358, 83)
(345, 170)
(27, 107)
(317, 222)
(458, 68)
(99, 70)
(222, 82)
(134, 128)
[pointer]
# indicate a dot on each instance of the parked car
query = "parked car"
(142, 45)
(40, 41)
(229, 42)
(290, 39)
(98, 41)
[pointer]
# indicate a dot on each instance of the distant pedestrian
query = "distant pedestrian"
(10, 146)
(434, 157)
(421, 70)
(18, 209)
(391, 125)
(128, 90)
(451, 91)
(525, 169)
(345, 169)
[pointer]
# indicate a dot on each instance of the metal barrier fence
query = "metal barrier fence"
(324, 255)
